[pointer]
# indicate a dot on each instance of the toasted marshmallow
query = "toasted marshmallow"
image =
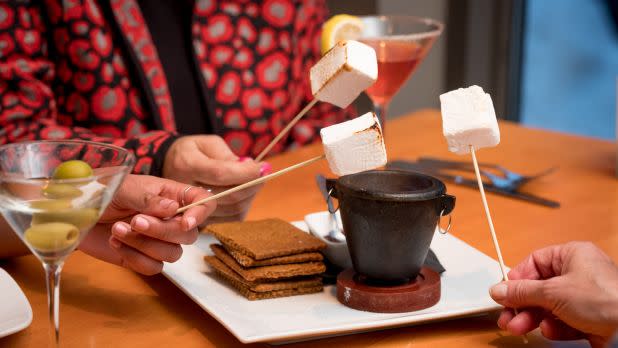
(468, 118)
(343, 73)
(354, 146)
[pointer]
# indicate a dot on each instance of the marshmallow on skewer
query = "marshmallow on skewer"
(469, 123)
(350, 147)
(354, 146)
(344, 72)
(337, 78)
(468, 118)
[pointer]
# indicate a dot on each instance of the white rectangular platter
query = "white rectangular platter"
(465, 286)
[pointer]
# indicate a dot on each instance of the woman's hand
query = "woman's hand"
(207, 161)
(570, 291)
(140, 230)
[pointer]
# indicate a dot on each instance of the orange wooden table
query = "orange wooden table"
(104, 305)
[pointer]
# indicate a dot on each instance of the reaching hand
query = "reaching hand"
(139, 229)
(206, 160)
(570, 291)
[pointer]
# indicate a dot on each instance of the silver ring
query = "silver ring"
(448, 227)
(182, 198)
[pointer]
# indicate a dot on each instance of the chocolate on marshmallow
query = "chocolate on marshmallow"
(354, 146)
(343, 73)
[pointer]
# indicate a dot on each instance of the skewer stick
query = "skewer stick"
(285, 130)
(251, 183)
(491, 223)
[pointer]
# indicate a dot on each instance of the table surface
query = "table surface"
(105, 305)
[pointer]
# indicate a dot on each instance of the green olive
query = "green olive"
(51, 204)
(52, 236)
(61, 191)
(74, 169)
(81, 218)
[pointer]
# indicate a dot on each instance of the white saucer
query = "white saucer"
(319, 225)
(15, 310)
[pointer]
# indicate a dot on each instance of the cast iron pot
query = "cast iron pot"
(389, 218)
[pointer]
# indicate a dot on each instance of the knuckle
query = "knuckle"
(184, 161)
(549, 289)
(586, 245)
(167, 235)
(517, 293)
(526, 292)
(218, 174)
(139, 242)
(146, 199)
(217, 139)
(177, 161)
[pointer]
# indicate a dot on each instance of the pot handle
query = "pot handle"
(447, 204)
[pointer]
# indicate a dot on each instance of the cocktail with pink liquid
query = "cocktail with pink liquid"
(401, 43)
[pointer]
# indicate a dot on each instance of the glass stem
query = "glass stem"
(380, 111)
(52, 281)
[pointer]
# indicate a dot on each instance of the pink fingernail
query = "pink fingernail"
(121, 230)
(245, 158)
(140, 223)
(114, 243)
(191, 222)
(266, 169)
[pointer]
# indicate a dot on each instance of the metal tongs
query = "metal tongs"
(506, 184)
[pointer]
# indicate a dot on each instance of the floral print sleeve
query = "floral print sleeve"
(29, 109)
(309, 20)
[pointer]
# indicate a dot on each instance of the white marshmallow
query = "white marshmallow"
(468, 118)
(343, 73)
(354, 146)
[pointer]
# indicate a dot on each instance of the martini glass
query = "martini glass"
(401, 43)
(52, 216)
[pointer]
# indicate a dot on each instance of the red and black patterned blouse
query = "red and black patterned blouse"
(85, 68)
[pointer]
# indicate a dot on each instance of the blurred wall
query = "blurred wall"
(570, 67)
(427, 83)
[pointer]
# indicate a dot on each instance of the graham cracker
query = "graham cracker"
(265, 239)
(268, 273)
(225, 272)
(248, 261)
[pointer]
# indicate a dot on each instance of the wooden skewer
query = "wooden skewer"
(251, 183)
(285, 130)
(491, 223)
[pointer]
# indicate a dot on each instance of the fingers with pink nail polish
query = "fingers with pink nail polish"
(265, 169)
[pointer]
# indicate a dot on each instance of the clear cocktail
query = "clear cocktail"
(52, 194)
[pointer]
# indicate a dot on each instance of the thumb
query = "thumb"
(520, 293)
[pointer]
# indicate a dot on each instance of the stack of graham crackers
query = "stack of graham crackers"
(267, 258)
